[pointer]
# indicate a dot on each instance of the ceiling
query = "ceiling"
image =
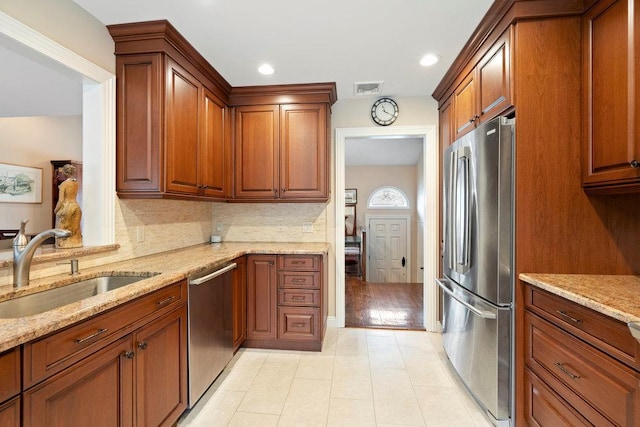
(306, 41)
(310, 41)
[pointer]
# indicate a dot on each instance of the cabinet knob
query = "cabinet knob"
(142, 345)
(129, 354)
(635, 164)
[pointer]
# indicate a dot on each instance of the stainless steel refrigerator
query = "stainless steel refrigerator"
(478, 254)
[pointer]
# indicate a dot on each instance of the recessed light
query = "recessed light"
(429, 59)
(266, 69)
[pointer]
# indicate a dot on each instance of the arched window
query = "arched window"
(388, 198)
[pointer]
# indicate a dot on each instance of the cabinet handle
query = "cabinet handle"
(567, 316)
(566, 371)
(297, 298)
(635, 164)
(166, 300)
(142, 345)
(298, 324)
(298, 280)
(129, 354)
(85, 339)
(297, 262)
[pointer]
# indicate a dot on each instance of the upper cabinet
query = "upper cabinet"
(611, 94)
(484, 92)
(183, 132)
(172, 117)
(281, 150)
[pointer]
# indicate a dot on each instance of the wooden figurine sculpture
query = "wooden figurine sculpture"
(67, 210)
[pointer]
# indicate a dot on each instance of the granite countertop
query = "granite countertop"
(614, 296)
(172, 266)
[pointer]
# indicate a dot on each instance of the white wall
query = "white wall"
(64, 22)
(34, 142)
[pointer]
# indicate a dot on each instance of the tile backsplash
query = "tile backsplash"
(270, 222)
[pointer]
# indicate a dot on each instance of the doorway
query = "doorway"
(427, 207)
(389, 249)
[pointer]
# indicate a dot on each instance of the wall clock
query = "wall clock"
(384, 111)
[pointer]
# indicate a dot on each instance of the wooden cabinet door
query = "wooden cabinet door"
(10, 413)
(261, 297)
(161, 369)
(96, 392)
(239, 298)
(494, 79)
(139, 123)
(610, 74)
(303, 152)
(464, 106)
(10, 369)
(213, 149)
(182, 130)
(256, 152)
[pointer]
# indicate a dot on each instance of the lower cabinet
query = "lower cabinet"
(160, 370)
(581, 366)
(239, 302)
(10, 413)
(286, 301)
(132, 376)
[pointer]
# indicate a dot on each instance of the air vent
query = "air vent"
(367, 88)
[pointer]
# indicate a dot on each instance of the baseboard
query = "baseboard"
(332, 322)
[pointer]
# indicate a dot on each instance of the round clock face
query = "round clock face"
(384, 111)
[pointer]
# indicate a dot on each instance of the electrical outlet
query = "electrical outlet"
(219, 227)
(280, 226)
(140, 233)
(307, 227)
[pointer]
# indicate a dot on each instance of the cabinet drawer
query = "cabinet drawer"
(545, 408)
(299, 262)
(10, 373)
(50, 354)
(600, 330)
(299, 297)
(296, 323)
(563, 361)
(299, 279)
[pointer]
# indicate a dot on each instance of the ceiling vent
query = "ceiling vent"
(367, 88)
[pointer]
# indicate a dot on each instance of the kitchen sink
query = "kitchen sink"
(40, 302)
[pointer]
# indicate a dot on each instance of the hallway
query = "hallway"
(383, 305)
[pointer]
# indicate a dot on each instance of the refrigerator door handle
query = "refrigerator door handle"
(480, 313)
(462, 211)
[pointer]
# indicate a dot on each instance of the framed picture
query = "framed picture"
(350, 196)
(350, 220)
(20, 184)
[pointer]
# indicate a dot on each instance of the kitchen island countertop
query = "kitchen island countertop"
(616, 296)
(172, 266)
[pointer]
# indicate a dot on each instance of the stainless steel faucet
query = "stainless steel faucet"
(23, 251)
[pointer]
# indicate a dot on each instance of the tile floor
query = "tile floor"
(362, 377)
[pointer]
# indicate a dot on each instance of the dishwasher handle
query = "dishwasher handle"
(201, 280)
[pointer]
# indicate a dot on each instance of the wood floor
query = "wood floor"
(383, 305)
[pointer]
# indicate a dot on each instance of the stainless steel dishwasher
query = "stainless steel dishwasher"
(210, 328)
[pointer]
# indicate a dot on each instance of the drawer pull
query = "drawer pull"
(566, 371)
(85, 339)
(567, 316)
(297, 262)
(298, 280)
(166, 300)
(298, 298)
(298, 324)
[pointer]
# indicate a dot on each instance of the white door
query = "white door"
(388, 250)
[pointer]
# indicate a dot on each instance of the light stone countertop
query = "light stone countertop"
(614, 296)
(172, 265)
